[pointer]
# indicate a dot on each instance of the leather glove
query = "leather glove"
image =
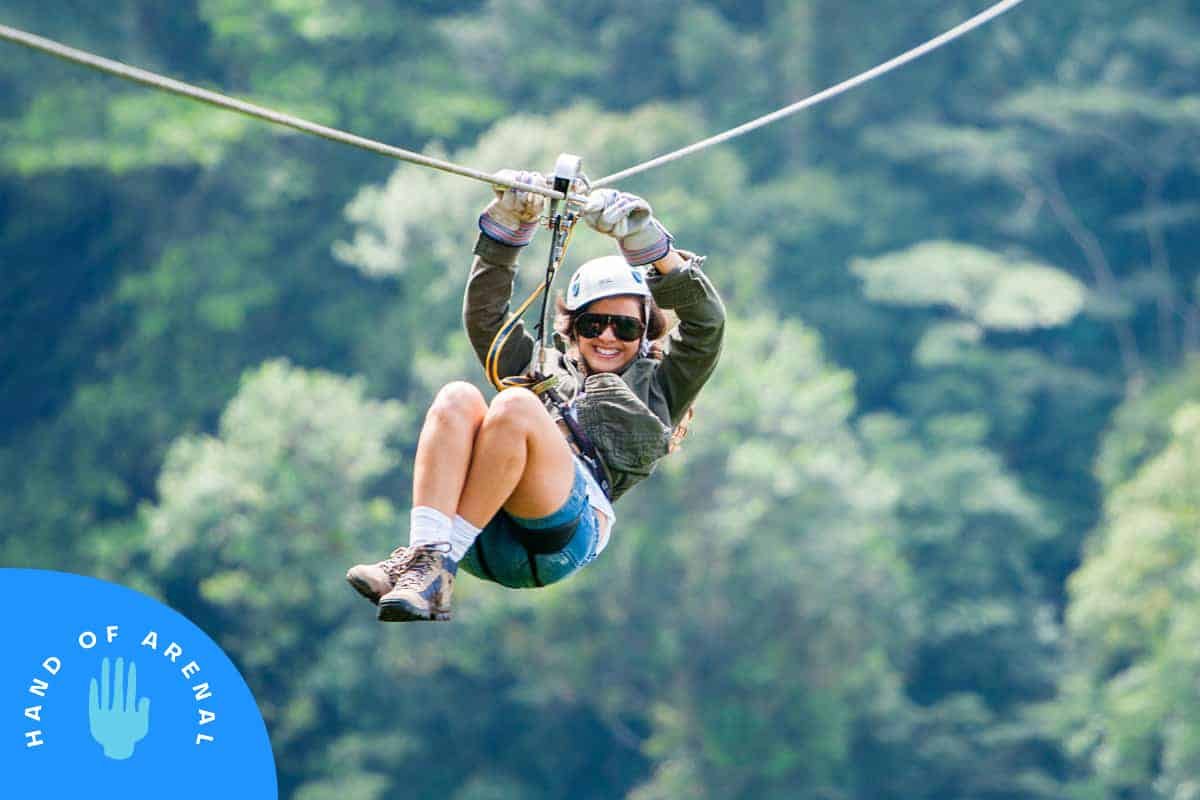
(628, 219)
(512, 218)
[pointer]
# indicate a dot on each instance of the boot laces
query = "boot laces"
(417, 563)
(394, 564)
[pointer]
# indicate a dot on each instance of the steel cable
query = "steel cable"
(156, 81)
(833, 91)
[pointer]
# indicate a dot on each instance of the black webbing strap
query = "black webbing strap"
(533, 569)
(483, 562)
(544, 541)
(583, 442)
(535, 541)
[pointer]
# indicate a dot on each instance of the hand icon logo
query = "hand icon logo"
(120, 724)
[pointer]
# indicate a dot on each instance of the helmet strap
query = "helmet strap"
(644, 347)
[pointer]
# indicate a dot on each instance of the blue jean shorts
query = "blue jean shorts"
(523, 553)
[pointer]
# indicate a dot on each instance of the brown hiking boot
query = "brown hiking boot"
(373, 581)
(424, 582)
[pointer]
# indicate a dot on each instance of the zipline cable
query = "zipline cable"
(966, 27)
(156, 81)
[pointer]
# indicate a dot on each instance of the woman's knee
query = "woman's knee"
(458, 403)
(516, 408)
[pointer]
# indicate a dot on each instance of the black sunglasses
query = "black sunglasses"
(627, 329)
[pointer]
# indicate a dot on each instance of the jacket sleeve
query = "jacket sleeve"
(696, 342)
(486, 305)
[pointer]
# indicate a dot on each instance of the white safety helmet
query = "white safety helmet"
(607, 276)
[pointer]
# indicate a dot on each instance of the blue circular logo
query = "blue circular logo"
(109, 693)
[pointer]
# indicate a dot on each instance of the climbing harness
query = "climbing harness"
(156, 81)
(584, 447)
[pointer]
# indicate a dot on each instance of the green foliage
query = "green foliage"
(251, 524)
(1141, 426)
(1133, 614)
(847, 583)
(984, 287)
(143, 131)
(782, 567)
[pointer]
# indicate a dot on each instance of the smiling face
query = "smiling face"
(607, 353)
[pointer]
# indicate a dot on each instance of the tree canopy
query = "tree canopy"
(932, 533)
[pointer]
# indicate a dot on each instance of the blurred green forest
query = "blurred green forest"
(934, 533)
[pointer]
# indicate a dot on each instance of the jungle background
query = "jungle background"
(934, 531)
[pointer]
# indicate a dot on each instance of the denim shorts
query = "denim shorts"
(523, 553)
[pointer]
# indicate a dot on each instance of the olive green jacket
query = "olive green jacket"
(630, 415)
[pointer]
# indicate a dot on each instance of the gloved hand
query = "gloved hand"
(628, 219)
(512, 217)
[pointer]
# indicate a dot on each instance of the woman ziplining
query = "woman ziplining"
(507, 490)
(535, 527)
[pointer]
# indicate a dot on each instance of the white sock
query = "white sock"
(428, 526)
(462, 536)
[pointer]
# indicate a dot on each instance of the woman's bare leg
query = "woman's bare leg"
(444, 449)
(472, 460)
(520, 462)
